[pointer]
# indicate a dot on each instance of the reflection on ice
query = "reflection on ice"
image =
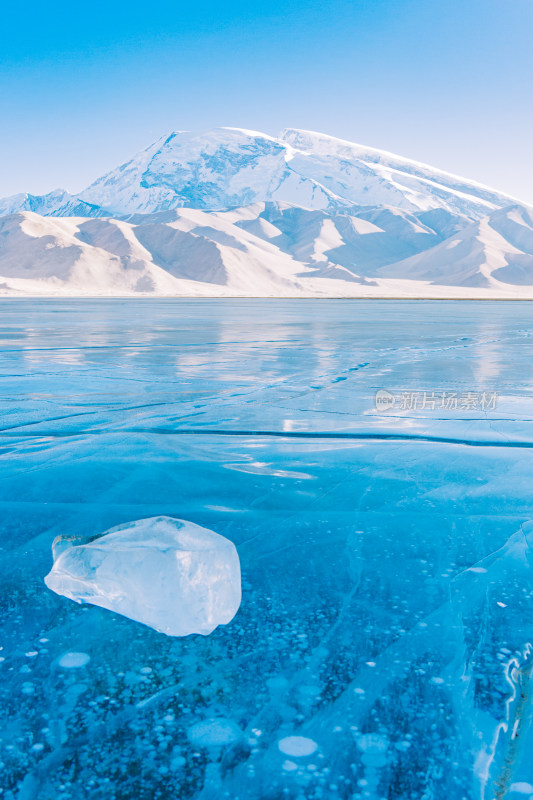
(260, 468)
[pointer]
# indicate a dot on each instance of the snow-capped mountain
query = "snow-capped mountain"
(230, 167)
(232, 212)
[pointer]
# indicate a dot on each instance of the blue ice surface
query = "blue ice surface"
(382, 648)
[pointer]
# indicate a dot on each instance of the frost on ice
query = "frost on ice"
(167, 573)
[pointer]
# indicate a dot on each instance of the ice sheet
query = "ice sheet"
(386, 557)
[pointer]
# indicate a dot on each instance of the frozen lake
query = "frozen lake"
(382, 647)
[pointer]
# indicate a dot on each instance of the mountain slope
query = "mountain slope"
(354, 172)
(269, 250)
(494, 253)
(360, 239)
(212, 170)
(187, 253)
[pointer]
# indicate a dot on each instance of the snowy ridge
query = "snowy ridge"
(320, 143)
(57, 203)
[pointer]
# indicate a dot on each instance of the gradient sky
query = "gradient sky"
(83, 86)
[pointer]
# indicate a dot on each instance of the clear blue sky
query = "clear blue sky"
(85, 85)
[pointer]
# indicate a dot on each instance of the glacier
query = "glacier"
(172, 575)
(383, 646)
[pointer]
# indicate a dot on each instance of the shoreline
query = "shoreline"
(416, 298)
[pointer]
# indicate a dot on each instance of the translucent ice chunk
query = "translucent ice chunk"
(167, 573)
